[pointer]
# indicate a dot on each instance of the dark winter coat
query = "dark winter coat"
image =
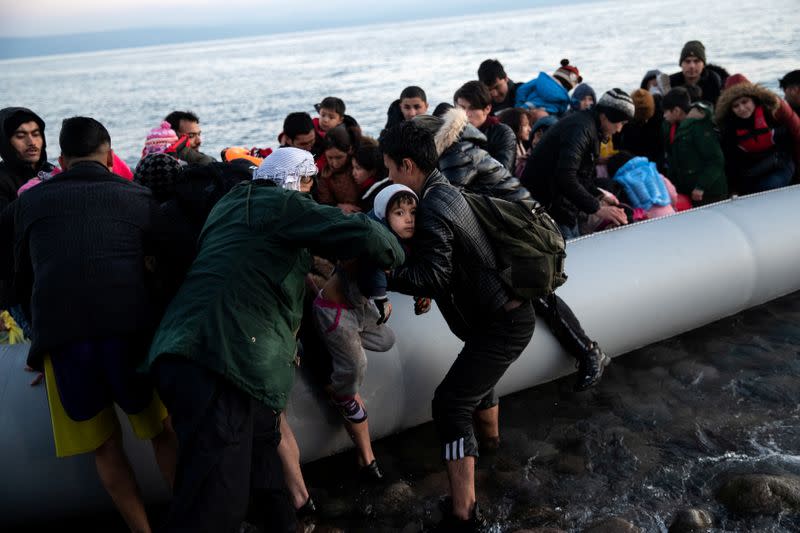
(80, 241)
(453, 261)
(560, 170)
(710, 84)
(645, 139)
(501, 143)
(239, 309)
(467, 165)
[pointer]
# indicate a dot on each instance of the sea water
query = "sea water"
(242, 89)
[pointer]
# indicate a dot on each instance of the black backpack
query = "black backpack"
(528, 245)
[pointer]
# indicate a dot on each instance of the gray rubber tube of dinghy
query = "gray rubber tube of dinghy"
(630, 287)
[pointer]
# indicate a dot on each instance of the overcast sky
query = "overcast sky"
(26, 18)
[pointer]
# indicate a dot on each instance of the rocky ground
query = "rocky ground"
(697, 433)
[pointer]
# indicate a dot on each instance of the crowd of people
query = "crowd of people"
(188, 289)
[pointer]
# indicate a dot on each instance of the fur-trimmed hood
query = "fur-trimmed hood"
(456, 127)
(760, 95)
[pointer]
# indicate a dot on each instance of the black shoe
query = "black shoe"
(590, 367)
(450, 524)
(308, 508)
(371, 473)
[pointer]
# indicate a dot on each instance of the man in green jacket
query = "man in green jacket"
(224, 354)
(695, 163)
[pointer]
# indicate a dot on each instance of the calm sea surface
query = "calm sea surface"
(242, 89)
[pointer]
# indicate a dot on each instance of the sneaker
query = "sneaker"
(590, 368)
(371, 473)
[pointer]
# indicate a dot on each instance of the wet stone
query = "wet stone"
(691, 521)
(761, 494)
(613, 525)
(397, 498)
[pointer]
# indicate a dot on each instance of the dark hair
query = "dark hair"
(370, 158)
(677, 97)
(513, 118)
(345, 137)
(399, 198)
(82, 136)
(617, 161)
(297, 124)
(441, 109)
(175, 118)
(409, 140)
(695, 92)
(474, 92)
(490, 71)
(334, 104)
(393, 115)
(412, 91)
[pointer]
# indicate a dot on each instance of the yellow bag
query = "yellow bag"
(10, 332)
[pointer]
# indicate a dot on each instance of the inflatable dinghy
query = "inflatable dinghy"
(630, 287)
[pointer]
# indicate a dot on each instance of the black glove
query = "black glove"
(384, 309)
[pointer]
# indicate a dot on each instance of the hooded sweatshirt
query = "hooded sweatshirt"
(14, 172)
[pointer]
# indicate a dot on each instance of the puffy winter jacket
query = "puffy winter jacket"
(560, 170)
(466, 164)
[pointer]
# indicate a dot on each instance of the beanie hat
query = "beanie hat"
(582, 91)
(159, 139)
(693, 48)
(616, 105)
(384, 198)
(568, 74)
(160, 173)
(286, 166)
(645, 105)
(735, 79)
(649, 75)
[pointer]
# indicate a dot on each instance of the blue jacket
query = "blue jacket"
(544, 91)
(643, 184)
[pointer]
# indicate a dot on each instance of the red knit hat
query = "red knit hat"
(735, 79)
(568, 74)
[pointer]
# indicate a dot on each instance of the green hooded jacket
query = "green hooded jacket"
(694, 156)
(239, 309)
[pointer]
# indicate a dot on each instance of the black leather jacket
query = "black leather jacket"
(501, 143)
(452, 261)
(560, 170)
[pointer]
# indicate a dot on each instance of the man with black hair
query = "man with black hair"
(187, 125)
(503, 91)
(23, 150)
(80, 241)
(791, 89)
(298, 131)
(501, 142)
(453, 262)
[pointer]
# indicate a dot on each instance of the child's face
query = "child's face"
(401, 218)
(743, 107)
(336, 158)
(674, 115)
(524, 128)
(411, 107)
(329, 119)
(360, 174)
